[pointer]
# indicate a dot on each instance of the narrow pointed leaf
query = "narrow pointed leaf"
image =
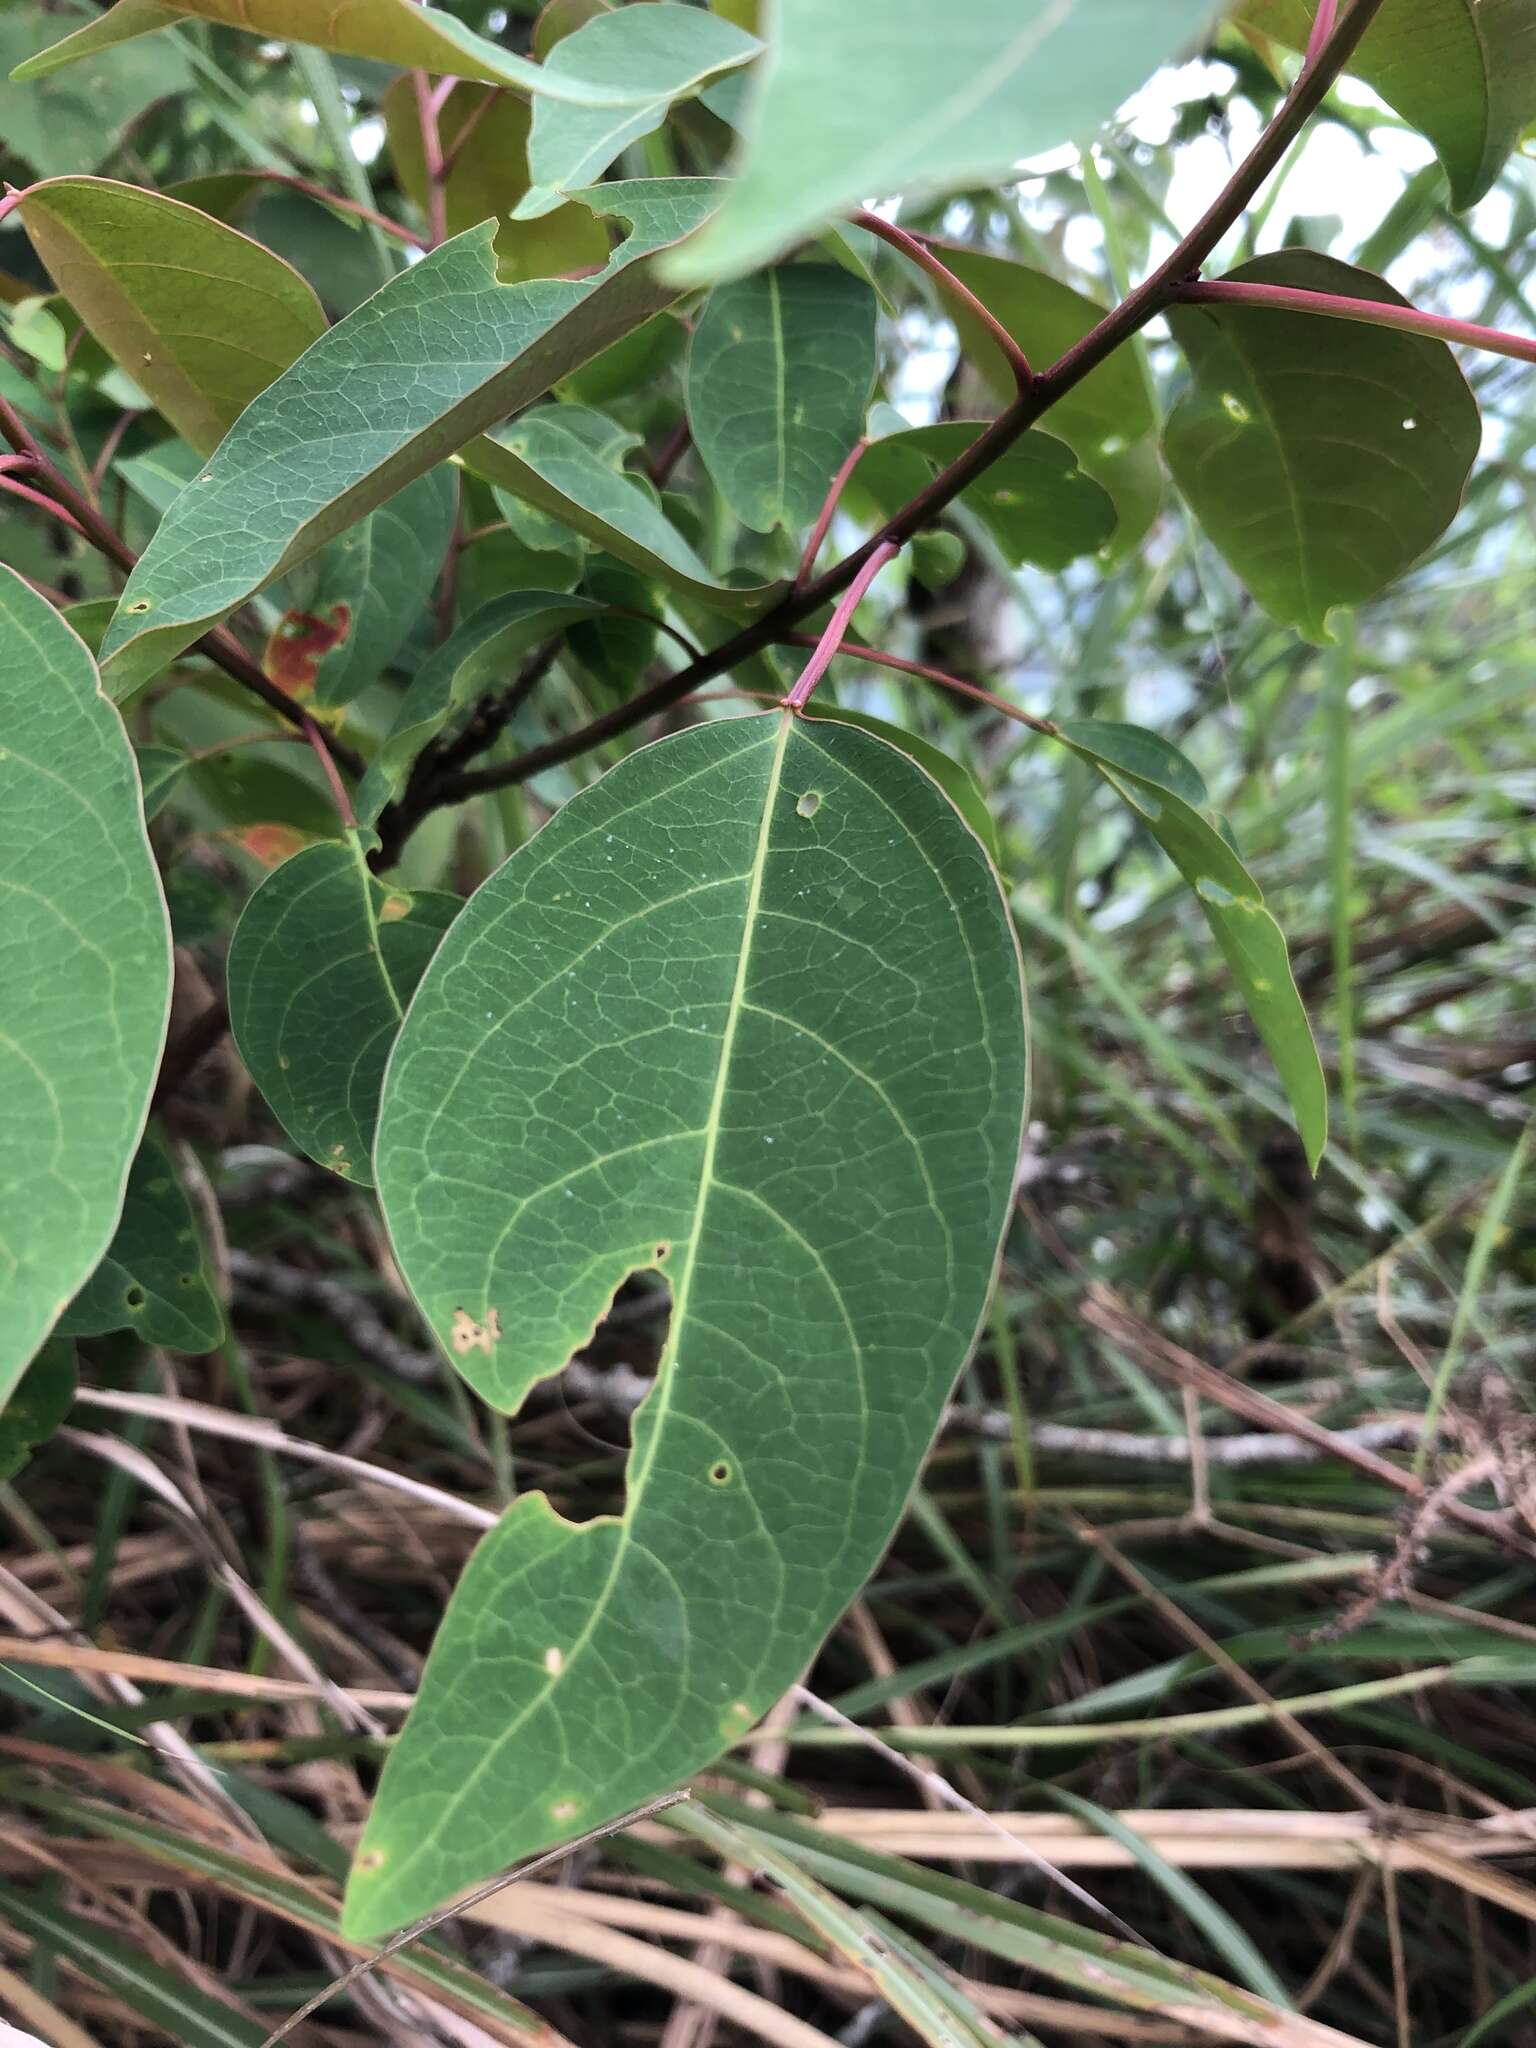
(481, 654)
(322, 964)
(200, 316)
(1321, 456)
(1035, 501)
(846, 106)
(749, 1012)
(1463, 72)
(155, 1278)
(779, 377)
(1160, 786)
(664, 51)
(85, 970)
(544, 460)
(401, 32)
(437, 355)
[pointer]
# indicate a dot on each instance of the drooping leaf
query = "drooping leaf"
(77, 120)
(439, 353)
(547, 460)
(155, 1278)
(1463, 72)
(482, 653)
(352, 605)
(406, 33)
(661, 1036)
(1321, 456)
(1166, 792)
(85, 970)
(662, 50)
(1035, 501)
(321, 966)
(40, 1401)
(779, 377)
(200, 316)
(843, 109)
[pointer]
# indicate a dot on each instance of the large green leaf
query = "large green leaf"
(85, 970)
(351, 606)
(663, 50)
(430, 360)
(1463, 72)
(321, 966)
(1034, 500)
(779, 377)
(748, 1012)
(78, 120)
(847, 105)
(479, 654)
(200, 316)
(1167, 794)
(547, 459)
(401, 32)
(155, 1278)
(1321, 456)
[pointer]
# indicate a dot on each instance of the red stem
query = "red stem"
(1323, 24)
(1282, 298)
(940, 676)
(432, 159)
(828, 511)
(837, 626)
(343, 802)
(920, 254)
(13, 487)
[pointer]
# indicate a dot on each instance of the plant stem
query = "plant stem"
(1144, 304)
(343, 802)
(800, 692)
(929, 674)
(427, 108)
(919, 253)
(319, 75)
(828, 511)
(1282, 298)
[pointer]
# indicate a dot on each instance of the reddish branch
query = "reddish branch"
(925, 258)
(1281, 298)
(800, 695)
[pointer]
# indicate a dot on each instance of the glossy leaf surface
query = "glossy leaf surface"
(847, 106)
(1321, 456)
(155, 1278)
(429, 361)
(85, 970)
(200, 316)
(748, 1011)
(322, 964)
(1165, 791)
(779, 377)
(1463, 72)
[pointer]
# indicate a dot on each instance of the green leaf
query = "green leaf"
(615, 646)
(404, 33)
(352, 606)
(779, 376)
(77, 120)
(200, 316)
(85, 970)
(1161, 787)
(243, 787)
(662, 50)
(956, 780)
(747, 1012)
(1463, 72)
(477, 656)
(155, 1278)
(1321, 456)
(844, 107)
(1035, 501)
(439, 353)
(546, 460)
(322, 964)
(41, 1400)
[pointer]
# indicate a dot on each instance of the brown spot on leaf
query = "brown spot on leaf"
(299, 643)
(467, 1335)
(271, 844)
(393, 908)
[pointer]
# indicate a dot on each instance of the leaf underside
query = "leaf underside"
(747, 1013)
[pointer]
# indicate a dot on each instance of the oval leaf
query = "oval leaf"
(779, 377)
(1321, 456)
(748, 1011)
(155, 1279)
(200, 316)
(85, 970)
(321, 966)
(843, 108)
(358, 416)
(1160, 786)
